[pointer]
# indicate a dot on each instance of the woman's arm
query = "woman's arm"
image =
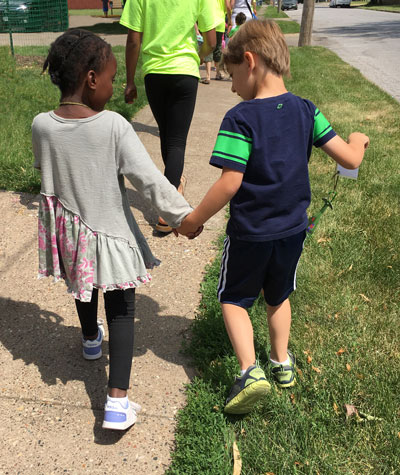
(133, 43)
(209, 43)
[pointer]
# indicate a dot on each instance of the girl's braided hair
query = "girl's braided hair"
(72, 55)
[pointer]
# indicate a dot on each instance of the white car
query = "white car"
(339, 3)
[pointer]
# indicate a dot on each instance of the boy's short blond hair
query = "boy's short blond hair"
(263, 37)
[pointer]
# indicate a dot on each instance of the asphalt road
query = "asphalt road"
(368, 40)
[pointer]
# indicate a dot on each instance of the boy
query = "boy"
(263, 148)
(239, 20)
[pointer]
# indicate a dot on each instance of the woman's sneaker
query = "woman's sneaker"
(247, 390)
(92, 348)
(284, 375)
(120, 415)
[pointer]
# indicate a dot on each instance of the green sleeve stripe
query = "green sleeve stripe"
(321, 125)
(324, 132)
(233, 134)
(233, 146)
(228, 157)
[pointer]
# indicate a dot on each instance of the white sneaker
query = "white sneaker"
(92, 348)
(119, 415)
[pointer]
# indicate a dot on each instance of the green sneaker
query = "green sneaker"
(284, 375)
(247, 390)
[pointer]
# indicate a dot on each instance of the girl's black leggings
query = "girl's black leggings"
(120, 312)
(172, 98)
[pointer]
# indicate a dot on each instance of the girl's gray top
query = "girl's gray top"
(83, 163)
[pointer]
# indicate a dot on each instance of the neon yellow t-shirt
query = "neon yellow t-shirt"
(169, 43)
(221, 12)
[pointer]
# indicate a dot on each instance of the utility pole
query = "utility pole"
(306, 23)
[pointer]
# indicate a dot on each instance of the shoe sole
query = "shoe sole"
(92, 357)
(245, 400)
(119, 425)
(162, 228)
(287, 385)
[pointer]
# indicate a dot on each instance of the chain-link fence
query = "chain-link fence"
(31, 22)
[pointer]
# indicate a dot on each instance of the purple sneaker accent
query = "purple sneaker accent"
(113, 416)
(118, 417)
(92, 348)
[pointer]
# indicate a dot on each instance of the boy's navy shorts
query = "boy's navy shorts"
(249, 266)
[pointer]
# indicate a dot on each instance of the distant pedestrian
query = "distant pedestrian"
(165, 33)
(248, 7)
(239, 20)
(263, 148)
(105, 8)
(87, 233)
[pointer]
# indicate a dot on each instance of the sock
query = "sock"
(283, 363)
(242, 371)
(122, 400)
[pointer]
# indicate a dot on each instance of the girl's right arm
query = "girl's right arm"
(348, 154)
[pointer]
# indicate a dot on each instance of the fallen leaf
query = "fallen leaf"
(306, 352)
(243, 432)
(365, 297)
(340, 351)
(348, 367)
(337, 315)
(216, 408)
(298, 464)
(351, 266)
(237, 460)
(317, 370)
(335, 408)
(309, 359)
(292, 399)
(352, 411)
(299, 372)
(269, 473)
(322, 239)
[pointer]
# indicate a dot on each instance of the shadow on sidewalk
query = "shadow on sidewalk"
(39, 337)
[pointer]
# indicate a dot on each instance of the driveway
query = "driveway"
(368, 40)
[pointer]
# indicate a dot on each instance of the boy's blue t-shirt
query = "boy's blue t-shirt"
(270, 141)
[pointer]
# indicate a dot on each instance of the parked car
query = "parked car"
(30, 16)
(339, 3)
(289, 5)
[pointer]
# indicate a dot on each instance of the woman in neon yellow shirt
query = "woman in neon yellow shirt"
(164, 30)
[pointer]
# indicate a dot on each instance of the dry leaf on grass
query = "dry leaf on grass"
(309, 359)
(340, 351)
(364, 297)
(335, 408)
(348, 367)
(292, 399)
(237, 460)
(317, 370)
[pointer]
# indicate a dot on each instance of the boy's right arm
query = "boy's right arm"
(348, 154)
(219, 195)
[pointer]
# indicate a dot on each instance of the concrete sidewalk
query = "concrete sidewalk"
(51, 400)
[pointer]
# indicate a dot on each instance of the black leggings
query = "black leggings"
(172, 98)
(120, 312)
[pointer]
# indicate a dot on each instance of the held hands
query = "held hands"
(130, 93)
(189, 229)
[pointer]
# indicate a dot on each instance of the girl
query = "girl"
(87, 233)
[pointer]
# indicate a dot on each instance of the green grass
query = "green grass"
(272, 12)
(288, 27)
(25, 93)
(94, 12)
(347, 299)
(382, 8)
